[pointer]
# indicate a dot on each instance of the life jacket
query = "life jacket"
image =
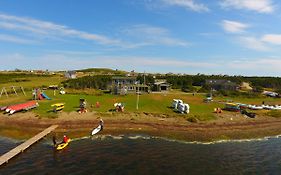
(65, 139)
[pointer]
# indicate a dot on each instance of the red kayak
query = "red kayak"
(23, 106)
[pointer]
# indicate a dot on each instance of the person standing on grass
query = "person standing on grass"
(54, 140)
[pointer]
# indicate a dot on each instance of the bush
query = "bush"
(205, 117)
(274, 113)
(188, 89)
(236, 94)
(96, 82)
(202, 117)
(192, 119)
(258, 89)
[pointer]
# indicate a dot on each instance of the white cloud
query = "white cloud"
(253, 43)
(187, 4)
(48, 29)
(156, 62)
(146, 35)
(272, 38)
(78, 60)
(14, 39)
(234, 26)
(137, 36)
(258, 65)
(68, 60)
(260, 6)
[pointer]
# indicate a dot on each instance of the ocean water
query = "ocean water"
(145, 155)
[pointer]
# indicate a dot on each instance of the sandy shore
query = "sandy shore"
(227, 126)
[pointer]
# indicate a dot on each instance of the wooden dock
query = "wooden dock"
(6, 157)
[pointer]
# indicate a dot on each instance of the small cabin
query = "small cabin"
(161, 85)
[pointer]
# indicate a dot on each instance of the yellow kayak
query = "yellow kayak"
(58, 106)
(63, 145)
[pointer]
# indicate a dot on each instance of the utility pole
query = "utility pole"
(138, 97)
(144, 77)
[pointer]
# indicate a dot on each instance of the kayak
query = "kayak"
(58, 106)
(96, 130)
(63, 145)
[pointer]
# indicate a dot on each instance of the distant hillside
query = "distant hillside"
(103, 71)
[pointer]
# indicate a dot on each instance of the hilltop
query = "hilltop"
(103, 71)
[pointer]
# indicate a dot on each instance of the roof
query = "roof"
(141, 85)
(123, 78)
(161, 83)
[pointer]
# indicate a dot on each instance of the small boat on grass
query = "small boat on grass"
(96, 130)
(20, 107)
(255, 107)
(57, 107)
(248, 114)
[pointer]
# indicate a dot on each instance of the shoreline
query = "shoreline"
(230, 126)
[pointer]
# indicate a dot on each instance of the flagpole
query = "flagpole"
(138, 98)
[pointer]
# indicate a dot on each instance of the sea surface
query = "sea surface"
(142, 154)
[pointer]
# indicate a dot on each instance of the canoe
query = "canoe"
(254, 107)
(96, 130)
(63, 145)
(23, 106)
(58, 106)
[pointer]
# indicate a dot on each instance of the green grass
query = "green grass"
(274, 113)
(150, 103)
(256, 101)
(34, 82)
(103, 71)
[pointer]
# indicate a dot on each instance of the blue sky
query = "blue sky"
(234, 37)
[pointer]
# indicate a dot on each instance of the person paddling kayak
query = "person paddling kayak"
(65, 139)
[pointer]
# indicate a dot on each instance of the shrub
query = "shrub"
(192, 119)
(274, 113)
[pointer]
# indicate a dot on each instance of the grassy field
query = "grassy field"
(151, 103)
(29, 82)
(157, 103)
(254, 101)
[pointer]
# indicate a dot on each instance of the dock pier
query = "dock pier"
(12, 153)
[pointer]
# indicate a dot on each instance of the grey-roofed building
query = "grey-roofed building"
(127, 85)
(161, 85)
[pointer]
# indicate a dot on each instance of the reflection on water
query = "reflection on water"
(145, 155)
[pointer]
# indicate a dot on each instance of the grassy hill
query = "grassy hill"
(103, 71)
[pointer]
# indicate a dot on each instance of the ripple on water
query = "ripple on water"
(141, 154)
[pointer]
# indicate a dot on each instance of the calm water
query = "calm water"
(145, 155)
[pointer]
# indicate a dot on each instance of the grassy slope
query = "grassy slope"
(33, 82)
(102, 71)
(151, 103)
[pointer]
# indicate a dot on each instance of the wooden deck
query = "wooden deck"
(6, 157)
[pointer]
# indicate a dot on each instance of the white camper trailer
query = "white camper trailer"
(179, 106)
(183, 108)
(176, 102)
